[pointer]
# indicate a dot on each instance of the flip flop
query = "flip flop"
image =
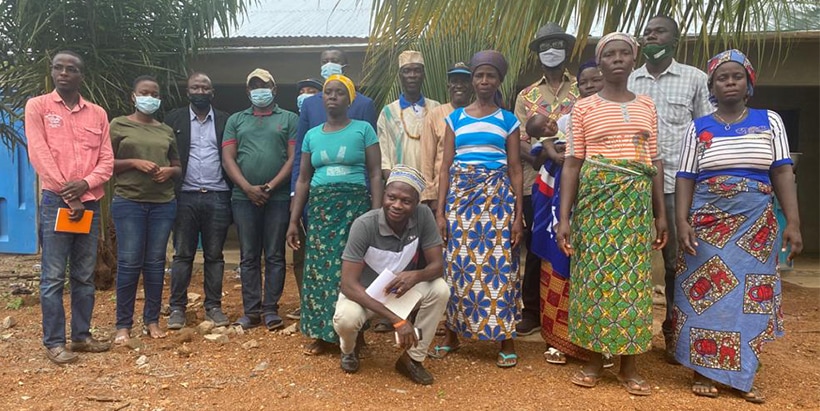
(506, 360)
(609, 362)
(709, 389)
(554, 356)
(273, 321)
(121, 340)
(754, 396)
(317, 347)
(445, 349)
(580, 379)
(642, 390)
(247, 322)
(147, 332)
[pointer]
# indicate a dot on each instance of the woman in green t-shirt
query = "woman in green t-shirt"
(335, 158)
(144, 206)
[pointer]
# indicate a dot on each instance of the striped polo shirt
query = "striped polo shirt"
(749, 148)
(482, 141)
(616, 131)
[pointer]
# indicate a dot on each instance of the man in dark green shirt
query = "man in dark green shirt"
(257, 154)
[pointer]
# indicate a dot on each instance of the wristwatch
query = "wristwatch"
(267, 188)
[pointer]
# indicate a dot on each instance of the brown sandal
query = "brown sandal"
(584, 379)
(642, 389)
(122, 339)
(317, 347)
(704, 389)
(753, 396)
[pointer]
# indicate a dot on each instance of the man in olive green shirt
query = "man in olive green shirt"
(257, 154)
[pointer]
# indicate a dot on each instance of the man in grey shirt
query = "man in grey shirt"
(401, 238)
(681, 95)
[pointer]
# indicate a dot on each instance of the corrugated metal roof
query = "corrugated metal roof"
(305, 18)
(351, 19)
(804, 19)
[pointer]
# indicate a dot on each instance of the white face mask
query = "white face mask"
(552, 57)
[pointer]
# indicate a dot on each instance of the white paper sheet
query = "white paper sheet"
(376, 288)
(401, 306)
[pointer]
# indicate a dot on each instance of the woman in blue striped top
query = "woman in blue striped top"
(479, 214)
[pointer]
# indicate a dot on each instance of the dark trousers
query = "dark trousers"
(531, 283)
(261, 229)
(670, 257)
(299, 261)
(207, 215)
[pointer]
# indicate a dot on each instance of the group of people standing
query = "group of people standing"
(645, 149)
(441, 197)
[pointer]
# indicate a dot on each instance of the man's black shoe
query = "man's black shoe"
(527, 326)
(350, 362)
(413, 370)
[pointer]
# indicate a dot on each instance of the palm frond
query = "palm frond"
(119, 40)
(447, 31)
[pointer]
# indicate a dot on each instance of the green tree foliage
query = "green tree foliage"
(119, 39)
(447, 31)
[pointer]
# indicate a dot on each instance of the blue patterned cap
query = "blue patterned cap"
(407, 175)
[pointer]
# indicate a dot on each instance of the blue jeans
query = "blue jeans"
(208, 214)
(142, 236)
(261, 228)
(79, 251)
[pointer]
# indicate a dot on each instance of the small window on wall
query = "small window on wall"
(791, 120)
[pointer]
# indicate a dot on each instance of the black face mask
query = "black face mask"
(200, 101)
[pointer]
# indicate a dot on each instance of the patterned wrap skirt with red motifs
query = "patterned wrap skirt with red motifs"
(728, 299)
(554, 288)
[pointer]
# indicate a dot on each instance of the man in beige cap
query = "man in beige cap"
(400, 122)
(257, 154)
(460, 88)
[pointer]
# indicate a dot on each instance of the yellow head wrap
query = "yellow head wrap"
(351, 89)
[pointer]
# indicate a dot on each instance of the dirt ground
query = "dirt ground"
(202, 375)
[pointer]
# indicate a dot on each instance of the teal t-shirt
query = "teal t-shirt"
(339, 156)
(261, 147)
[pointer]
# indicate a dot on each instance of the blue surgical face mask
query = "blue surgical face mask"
(261, 97)
(329, 69)
(301, 99)
(147, 104)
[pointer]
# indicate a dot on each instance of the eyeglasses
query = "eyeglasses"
(551, 44)
(68, 69)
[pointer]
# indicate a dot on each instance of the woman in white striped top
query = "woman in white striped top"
(731, 162)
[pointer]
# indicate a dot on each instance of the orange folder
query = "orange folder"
(65, 225)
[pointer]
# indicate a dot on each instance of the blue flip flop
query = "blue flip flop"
(247, 322)
(446, 349)
(273, 321)
(506, 360)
